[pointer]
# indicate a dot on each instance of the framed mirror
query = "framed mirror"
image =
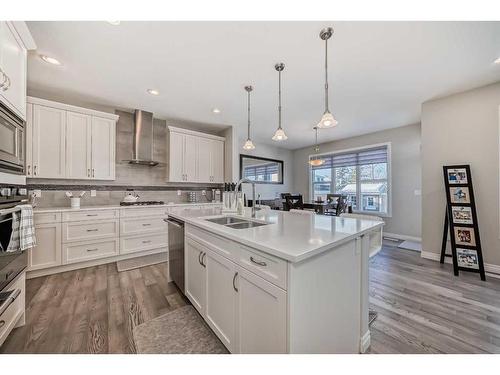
(261, 170)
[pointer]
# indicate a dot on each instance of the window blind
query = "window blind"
(349, 159)
(261, 170)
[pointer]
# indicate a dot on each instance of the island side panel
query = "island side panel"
(364, 244)
(324, 301)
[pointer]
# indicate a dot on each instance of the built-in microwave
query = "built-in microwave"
(12, 142)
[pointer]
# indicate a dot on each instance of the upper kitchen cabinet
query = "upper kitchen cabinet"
(15, 41)
(195, 156)
(68, 142)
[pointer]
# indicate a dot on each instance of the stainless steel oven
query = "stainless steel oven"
(12, 142)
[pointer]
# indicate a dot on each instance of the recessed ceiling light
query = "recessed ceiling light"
(216, 110)
(497, 61)
(114, 23)
(153, 91)
(50, 60)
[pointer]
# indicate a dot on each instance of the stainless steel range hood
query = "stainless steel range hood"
(142, 152)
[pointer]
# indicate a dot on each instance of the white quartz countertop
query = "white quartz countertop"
(117, 206)
(290, 236)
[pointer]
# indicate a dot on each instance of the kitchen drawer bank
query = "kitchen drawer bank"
(69, 239)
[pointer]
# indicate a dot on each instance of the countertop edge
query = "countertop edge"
(37, 210)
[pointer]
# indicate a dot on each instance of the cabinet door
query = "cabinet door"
(204, 160)
(103, 148)
(217, 161)
(29, 140)
(220, 311)
(261, 312)
(194, 277)
(190, 159)
(176, 157)
(47, 252)
(78, 145)
(13, 57)
(49, 138)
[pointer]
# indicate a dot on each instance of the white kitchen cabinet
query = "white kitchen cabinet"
(48, 142)
(195, 280)
(103, 148)
(13, 63)
(47, 252)
(195, 156)
(78, 145)
(261, 315)
(68, 142)
(220, 309)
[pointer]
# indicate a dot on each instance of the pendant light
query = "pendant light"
(316, 161)
(279, 135)
(248, 144)
(327, 120)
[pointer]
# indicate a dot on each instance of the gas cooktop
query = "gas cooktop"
(141, 203)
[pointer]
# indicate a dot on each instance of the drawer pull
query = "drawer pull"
(89, 250)
(92, 214)
(258, 262)
(203, 260)
(146, 224)
(92, 230)
(146, 241)
(2, 323)
(234, 279)
(12, 297)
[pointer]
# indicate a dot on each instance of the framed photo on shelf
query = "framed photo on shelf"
(467, 258)
(461, 215)
(459, 194)
(465, 236)
(457, 176)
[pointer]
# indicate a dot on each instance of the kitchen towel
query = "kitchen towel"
(23, 230)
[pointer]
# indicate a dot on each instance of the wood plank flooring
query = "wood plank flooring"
(422, 308)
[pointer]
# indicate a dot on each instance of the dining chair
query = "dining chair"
(293, 202)
(302, 212)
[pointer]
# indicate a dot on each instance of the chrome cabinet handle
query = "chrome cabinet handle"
(260, 263)
(203, 260)
(146, 224)
(34, 170)
(92, 214)
(88, 172)
(199, 257)
(234, 279)
(29, 170)
(92, 249)
(5, 78)
(93, 172)
(146, 241)
(92, 230)
(2, 323)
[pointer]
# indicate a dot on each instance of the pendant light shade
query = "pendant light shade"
(279, 135)
(327, 120)
(316, 160)
(248, 144)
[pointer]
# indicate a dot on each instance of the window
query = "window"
(263, 172)
(362, 175)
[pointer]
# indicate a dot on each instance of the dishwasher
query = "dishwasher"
(176, 251)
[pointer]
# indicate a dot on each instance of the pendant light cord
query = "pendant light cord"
(248, 134)
(326, 75)
(279, 99)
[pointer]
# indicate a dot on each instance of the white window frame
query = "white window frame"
(389, 175)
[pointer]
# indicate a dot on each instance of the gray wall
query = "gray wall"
(406, 174)
(267, 191)
(462, 129)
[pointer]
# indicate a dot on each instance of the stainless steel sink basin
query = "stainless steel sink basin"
(236, 223)
(226, 220)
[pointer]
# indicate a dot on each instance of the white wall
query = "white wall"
(462, 129)
(406, 173)
(267, 191)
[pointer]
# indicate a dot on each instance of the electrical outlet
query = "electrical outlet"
(37, 193)
(203, 192)
(93, 193)
(179, 192)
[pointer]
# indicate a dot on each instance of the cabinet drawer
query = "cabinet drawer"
(220, 245)
(142, 225)
(47, 217)
(90, 215)
(79, 252)
(141, 212)
(11, 315)
(142, 243)
(80, 231)
(266, 266)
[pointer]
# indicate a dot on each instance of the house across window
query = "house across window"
(361, 175)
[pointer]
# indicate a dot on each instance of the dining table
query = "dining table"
(320, 207)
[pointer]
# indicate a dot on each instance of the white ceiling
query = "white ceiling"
(380, 72)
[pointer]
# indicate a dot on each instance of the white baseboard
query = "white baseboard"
(491, 269)
(364, 343)
(402, 237)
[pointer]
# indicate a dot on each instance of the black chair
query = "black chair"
(282, 201)
(341, 206)
(293, 202)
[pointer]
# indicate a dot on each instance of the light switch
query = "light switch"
(93, 193)
(179, 192)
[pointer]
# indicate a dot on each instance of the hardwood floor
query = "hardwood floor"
(422, 308)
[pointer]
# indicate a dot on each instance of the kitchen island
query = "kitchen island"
(288, 283)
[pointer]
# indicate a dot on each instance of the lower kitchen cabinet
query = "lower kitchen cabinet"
(246, 312)
(220, 311)
(195, 275)
(47, 252)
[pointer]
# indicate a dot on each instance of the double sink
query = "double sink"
(236, 222)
